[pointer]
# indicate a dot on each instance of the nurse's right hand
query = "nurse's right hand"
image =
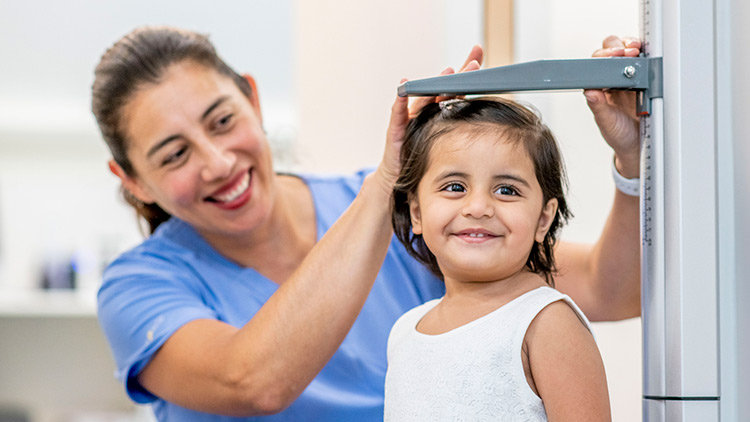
(614, 111)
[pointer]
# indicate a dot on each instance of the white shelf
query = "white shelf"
(47, 303)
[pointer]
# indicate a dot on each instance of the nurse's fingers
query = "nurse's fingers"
(468, 67)
(418, 103)
(475, 55)
(614, 46)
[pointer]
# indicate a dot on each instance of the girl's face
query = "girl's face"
(198, 150)
(479, 206)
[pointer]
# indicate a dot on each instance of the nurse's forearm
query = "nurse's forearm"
(616, 263)
(297, 331)
(604, 278)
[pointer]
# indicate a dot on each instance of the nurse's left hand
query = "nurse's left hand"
(402, 112)
(473, 62)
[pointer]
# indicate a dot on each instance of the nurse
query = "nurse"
(265, 295)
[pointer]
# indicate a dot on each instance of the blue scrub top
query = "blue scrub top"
(175, 277)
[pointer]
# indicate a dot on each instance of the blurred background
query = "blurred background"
(327, 73)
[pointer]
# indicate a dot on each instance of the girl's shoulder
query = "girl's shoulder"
(550, 304)
(555, 328)
(566, 364)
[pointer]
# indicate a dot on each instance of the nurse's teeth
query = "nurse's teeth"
(236, 192)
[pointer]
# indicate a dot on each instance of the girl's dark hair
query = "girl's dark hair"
(137, 59)
(517, 124)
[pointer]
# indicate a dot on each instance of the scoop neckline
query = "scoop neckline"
(469, 325)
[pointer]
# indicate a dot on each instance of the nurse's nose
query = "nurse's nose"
(218, 161)
(478, 205)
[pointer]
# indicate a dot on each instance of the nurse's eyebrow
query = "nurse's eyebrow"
(169, 139)
(213, 106)
(159, 145)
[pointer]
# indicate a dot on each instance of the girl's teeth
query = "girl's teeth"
(476, 234)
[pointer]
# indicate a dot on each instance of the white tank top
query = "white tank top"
(471, 373)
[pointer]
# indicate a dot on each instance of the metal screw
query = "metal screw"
(629, 72)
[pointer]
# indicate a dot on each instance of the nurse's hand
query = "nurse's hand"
(614, 111)
(402, 112)
(473, 62)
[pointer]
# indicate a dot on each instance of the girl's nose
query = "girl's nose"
(219, 162)
(478, 205)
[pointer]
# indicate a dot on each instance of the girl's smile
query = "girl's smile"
(476, 235)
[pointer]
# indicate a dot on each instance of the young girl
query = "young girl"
(479, 200)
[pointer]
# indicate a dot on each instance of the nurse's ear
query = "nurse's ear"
(131, 184)
(254, 97)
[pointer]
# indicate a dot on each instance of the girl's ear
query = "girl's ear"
(131, 184)
(546, 219)
(416, 216)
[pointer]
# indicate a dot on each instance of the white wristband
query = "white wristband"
(631, 187)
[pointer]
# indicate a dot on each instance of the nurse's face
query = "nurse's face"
(198, 150)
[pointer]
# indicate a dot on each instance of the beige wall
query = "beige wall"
(351, 56)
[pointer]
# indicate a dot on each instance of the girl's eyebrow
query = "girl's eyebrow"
(513, 177)
(505, 176)
(449, 173)
(171, 138)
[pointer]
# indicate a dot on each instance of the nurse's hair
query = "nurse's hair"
(138, 59)
(516, 124)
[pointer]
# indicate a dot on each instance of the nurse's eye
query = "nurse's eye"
(174, 156)
(454, 187)
(224, 122)
(507, 190)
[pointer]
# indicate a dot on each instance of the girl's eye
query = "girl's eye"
(174, 156)
(506, 190)
(454, 187)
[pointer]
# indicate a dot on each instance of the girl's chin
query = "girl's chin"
(477, 274)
